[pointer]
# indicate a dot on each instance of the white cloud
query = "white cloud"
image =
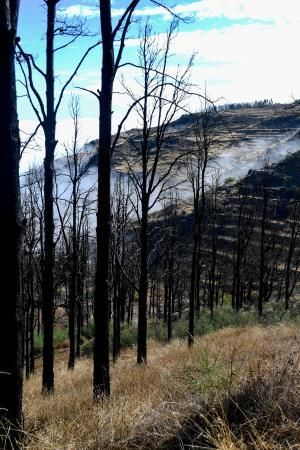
(79, 10)
(273, 10)
(237, 63)
(243, 62)
(276, 10)
(87, 11)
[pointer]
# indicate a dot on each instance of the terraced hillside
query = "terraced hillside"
(250, 243)
(260, 213)
(244, 138)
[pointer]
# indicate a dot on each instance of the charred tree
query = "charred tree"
(109, 67)
(101, 307)
(11, 314)
(197, 163)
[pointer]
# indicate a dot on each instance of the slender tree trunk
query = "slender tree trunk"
(11, 308)
(166, 295)
(116, 313)
(26, 339)
(74, 273)
(171, 288)
(143, 288)
(87, 307)
(101, 383)
(288, 268)
(79, 325)
(193, 283)
(262, 254)
(31, 331)
(50, 144)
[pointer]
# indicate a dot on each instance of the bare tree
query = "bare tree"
(73, 205)
(30, 268)
(291, 269)
(11, 230)
(46, 113)
(199, 159)
(120, 210)
(244, 230)
(171, 242)
(110, 64)
(157, 105)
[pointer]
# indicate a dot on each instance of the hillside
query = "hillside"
(244, 138)
(236, 389)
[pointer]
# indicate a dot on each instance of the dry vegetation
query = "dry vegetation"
(236, 389)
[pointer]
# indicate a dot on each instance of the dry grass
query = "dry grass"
(183, 395)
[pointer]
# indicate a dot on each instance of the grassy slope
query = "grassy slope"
(182, 396)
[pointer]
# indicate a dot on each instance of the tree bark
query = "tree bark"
(101, 382)
(143, 288)
(11, 310)
(50, 144)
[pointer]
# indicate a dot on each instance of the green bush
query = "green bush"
(128, 335)
(88, 331)
(223, 317)
(38, 344)
(60, 338)
(87, 348)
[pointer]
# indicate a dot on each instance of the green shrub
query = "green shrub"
(38, 344)
(60, 339)
(128, 335)
(88, 331)
(87, 348)
(223, 317)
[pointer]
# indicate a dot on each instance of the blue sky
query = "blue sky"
(246, 50)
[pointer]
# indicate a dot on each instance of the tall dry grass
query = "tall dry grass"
(236, 389)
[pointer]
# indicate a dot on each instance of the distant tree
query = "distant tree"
(214, 212)
(120, 219)
(199, 159)
(244, 230)
(30, 268)
(291, 268)
(171, 242)
(73, 205)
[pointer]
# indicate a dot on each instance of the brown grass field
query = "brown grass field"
(238, 388)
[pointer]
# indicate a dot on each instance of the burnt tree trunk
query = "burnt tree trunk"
(143, 286)
(101, 382)
(73, 301)
(196, 247)
(262, 266)
(11, 311)
(50, 144)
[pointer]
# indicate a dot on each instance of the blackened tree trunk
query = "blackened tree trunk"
(143, 286)
(101, 381)
(193, 283)
(262, 256)
(197, 166)
(73, 301)
(292, 260)
(213, 272)
(50, 144)
(11, 314)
